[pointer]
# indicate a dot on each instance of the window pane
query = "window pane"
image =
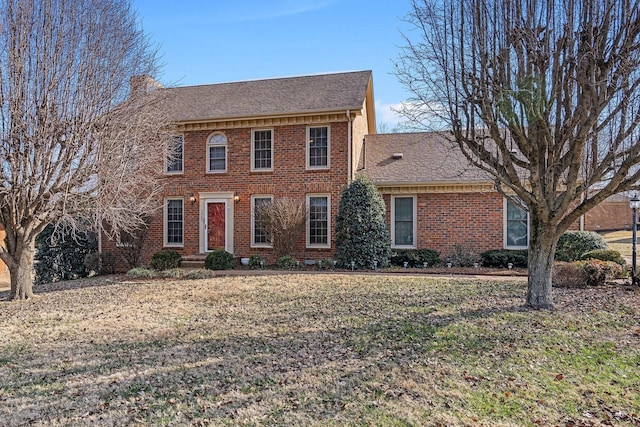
(318, 146)
(217, 158)
(517, 225)
(262, 149)
(318, 220)
(259, 231)
(403, 226)
(174, 164)
(174, 221)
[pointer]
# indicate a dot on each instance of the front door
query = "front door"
(216, 226)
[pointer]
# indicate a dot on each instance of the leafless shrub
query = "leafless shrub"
(283, 220)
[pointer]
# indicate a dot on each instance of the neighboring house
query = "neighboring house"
(245, 143)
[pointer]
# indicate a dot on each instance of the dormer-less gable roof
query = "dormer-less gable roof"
(418, 159)
(273, 97)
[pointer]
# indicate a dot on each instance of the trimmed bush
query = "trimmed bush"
(287, 262)
(166, 260)
(593, 272)
(568, 275)
(573, 244)
(219, 260)
(60, 255)
(108, 262)
(462, 256)
(141, 273)
(256, 261)
(362, 235)
(415, 257)
(500, 258)
(605, 255)
(200, 273)
(92, 262)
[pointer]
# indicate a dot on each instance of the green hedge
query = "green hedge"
(219, 260)
(500, 258)
(573, 244)
(165, 260)
(415, 257)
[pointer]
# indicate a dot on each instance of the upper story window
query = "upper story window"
(262, 150)
(318, 146)
(217, 153)
(175, 161)
(403, 222)
(516, 226)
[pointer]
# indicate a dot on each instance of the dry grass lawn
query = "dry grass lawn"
(319, 350)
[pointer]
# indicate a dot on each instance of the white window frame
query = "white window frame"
(504, 227)
(318, 245)
(308, 148)
(167, 163)
(226, 153)
(253, 150)
(166, 223)
(415, 221)
(253, 228)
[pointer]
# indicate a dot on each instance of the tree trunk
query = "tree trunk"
(542, 250)
(21, 271)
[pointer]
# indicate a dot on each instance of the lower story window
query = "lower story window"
(174, 222)
(403, 221)
(318, 224)
(259, 235)
(516, 226)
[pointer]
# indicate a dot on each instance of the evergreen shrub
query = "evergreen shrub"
(500, 258)
(362, 235)
(219, 260)
(165, 260)
(573, 244)
(60, 255)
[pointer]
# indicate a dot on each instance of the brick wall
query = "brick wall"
(288, 178)
(445, 219)
(608, 216)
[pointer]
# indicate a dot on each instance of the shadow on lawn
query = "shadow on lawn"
(318, 374)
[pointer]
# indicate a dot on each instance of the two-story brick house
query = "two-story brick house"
(245, 143)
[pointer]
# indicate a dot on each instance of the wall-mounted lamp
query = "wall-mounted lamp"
(236, 197)
(192, 198)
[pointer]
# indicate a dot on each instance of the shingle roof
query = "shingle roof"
(427, 158)
(271, 97)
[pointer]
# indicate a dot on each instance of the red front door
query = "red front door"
(216, 226)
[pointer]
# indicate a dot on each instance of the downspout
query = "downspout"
(350, 150)
(364, 154)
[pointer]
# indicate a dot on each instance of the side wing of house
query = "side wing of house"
(435, 200)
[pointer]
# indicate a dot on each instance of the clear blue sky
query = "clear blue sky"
(217, 41)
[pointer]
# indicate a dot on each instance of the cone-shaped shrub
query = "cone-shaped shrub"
(362, 235)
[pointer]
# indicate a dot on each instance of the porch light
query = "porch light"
(634, 204)
(192, 198)
(236, 197)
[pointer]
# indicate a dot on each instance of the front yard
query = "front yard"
(325, 349)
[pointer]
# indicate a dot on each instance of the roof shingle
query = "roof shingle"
(271, 97)
(427, 158)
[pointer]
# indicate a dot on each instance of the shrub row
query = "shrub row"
(415, 257)
(593, 272)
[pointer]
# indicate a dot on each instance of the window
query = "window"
(174, 222)
(318, 224)
(175, 161)
(403, 221)
(259, 236)
(516, 226)
(217, 153)
(262, 150)
(318, 147)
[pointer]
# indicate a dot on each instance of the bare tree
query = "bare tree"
(282, 221)
(542, 95)
(76, 141)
